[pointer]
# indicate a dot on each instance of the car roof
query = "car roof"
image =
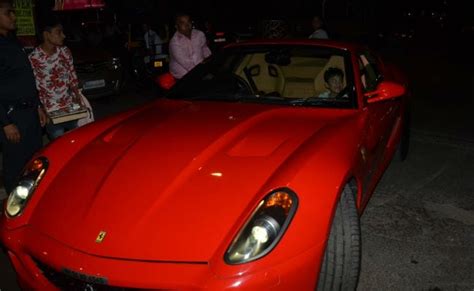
(311, 42)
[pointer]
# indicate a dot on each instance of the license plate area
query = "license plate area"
(94, 84)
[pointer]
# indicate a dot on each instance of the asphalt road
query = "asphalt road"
(418, 229)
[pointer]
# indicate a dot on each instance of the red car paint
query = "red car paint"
(172, 183)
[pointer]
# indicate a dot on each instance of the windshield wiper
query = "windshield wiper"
(267, 97)
(309, 101)
(318, 101)
(217, 97)
(315, 101)
(227, 97)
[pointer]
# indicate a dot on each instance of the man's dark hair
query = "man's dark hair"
(47, 24)
(181, 14)
(331, 72)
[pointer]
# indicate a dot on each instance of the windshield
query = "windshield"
(293, 75)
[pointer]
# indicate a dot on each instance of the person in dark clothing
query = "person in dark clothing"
(21, 113)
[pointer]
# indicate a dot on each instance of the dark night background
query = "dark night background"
(345, 19)
(429, 39)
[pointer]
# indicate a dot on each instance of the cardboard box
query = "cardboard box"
(64, 115)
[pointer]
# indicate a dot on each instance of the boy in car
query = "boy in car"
(334, 82)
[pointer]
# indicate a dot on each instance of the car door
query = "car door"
(381, 118)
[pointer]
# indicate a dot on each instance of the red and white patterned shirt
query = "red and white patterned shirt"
(55, 77)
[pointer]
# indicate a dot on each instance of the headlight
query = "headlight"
(31, 177)
(264, 229)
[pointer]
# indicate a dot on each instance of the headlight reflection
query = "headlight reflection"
(264, 229)
(20, 195)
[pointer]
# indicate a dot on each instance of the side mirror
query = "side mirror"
(385, 90)
(165, 81)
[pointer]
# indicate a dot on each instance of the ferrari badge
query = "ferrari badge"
(100, 237)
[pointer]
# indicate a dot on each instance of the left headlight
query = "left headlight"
(29, 180)
(264, 229)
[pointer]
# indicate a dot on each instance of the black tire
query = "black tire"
(341, 263)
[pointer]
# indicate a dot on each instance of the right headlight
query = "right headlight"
(264, 229)
(29, 180)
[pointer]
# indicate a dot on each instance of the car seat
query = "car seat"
(269, 80)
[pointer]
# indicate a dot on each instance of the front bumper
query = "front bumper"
(42, 263)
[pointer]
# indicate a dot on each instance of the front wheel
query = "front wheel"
(341, 263)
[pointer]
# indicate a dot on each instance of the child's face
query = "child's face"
(335, 85)
(55, 36)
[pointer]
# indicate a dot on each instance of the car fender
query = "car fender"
(317, 196)
(59, 153)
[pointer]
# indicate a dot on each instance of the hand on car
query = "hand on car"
(12, 133)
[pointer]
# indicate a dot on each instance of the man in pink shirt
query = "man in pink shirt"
(188, 47)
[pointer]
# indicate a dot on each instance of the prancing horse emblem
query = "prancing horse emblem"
(100, 237)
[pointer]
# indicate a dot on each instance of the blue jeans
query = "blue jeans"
(56, 130)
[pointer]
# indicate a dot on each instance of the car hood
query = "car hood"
(170, 182)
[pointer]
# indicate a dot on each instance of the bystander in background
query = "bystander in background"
(56, 78)
(153, 43)
(319, 32)
(21, 114)
(188, 47)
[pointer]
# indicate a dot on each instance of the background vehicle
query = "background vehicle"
(98, 49)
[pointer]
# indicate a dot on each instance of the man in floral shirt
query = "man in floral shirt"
(56, 79)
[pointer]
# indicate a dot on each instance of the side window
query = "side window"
(368, 72)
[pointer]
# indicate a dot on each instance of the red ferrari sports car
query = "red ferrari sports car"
(251, 173)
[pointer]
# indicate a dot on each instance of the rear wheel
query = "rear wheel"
(341, 263)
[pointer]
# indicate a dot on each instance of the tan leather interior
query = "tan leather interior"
(303, 78)
(299, 77)
(269, 80)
